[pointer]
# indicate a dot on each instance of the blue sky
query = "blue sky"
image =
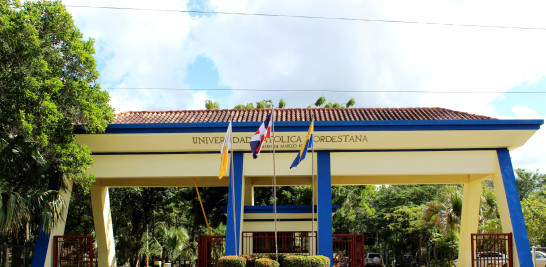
(157, 49)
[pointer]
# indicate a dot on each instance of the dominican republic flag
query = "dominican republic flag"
(261, 134)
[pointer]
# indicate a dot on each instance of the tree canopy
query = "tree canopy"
(48, 84)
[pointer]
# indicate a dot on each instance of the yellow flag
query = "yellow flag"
(225, 152)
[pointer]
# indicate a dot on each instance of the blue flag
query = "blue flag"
(308, 143)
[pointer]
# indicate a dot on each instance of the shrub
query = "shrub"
(231, 261)
(250, 260)
(308, 261)
(265, 262)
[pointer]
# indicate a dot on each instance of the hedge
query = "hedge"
(265, 262)
(231, 261)
(307, 261)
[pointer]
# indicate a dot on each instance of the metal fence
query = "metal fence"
(209, 249)
(73, 251)
(301, 243)
(348, 250)
(492, 250)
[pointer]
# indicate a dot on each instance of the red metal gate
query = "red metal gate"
(348, 250)
(492, 250)
(209, 249)
(73, 250)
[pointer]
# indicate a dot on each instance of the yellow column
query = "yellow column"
(100, 200)
(469, 220)
(249, 192)
(504, 213)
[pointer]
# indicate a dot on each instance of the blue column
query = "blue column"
(236, 180)
(514, 207)
(324, 184)
(40, 249)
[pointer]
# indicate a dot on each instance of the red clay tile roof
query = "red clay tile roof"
(295, 114)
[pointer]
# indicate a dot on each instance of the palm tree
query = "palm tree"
(445, 212)
(173, 240)
(27, 202)
(489, 221)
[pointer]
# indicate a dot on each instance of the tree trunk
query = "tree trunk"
(6, 256)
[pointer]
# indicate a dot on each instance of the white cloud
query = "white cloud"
(154, 49)
(286, 53)
(139, 49)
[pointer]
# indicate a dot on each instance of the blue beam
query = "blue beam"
(235, 191)
(324, 190)
(514, 207)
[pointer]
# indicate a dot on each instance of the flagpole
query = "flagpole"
(232, 176)
(274, 182)
(313, 189)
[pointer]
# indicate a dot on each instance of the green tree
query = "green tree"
(210, 104)
(264, 104)
(48, 83)
(410, 231)
(489, 219)
(534, 212)
(445, 212)
(282, 104)
(528, 182)
(350, 103)
(174, 240)
(320, 101)
(247, 106)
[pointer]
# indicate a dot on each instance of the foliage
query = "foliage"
(355, 208)
(445, 212)
(210, 104)
(173, 240)
(489, 218)
(265, 262)
(250, 260)
(261, 260)
(247, 106)
(264, 104)
(534, 212)
(447, 243)
(320, 101)
(308, 261)
(282, 104)
(528, 182)
(231, 261)
(48, 83)
(350, 103)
